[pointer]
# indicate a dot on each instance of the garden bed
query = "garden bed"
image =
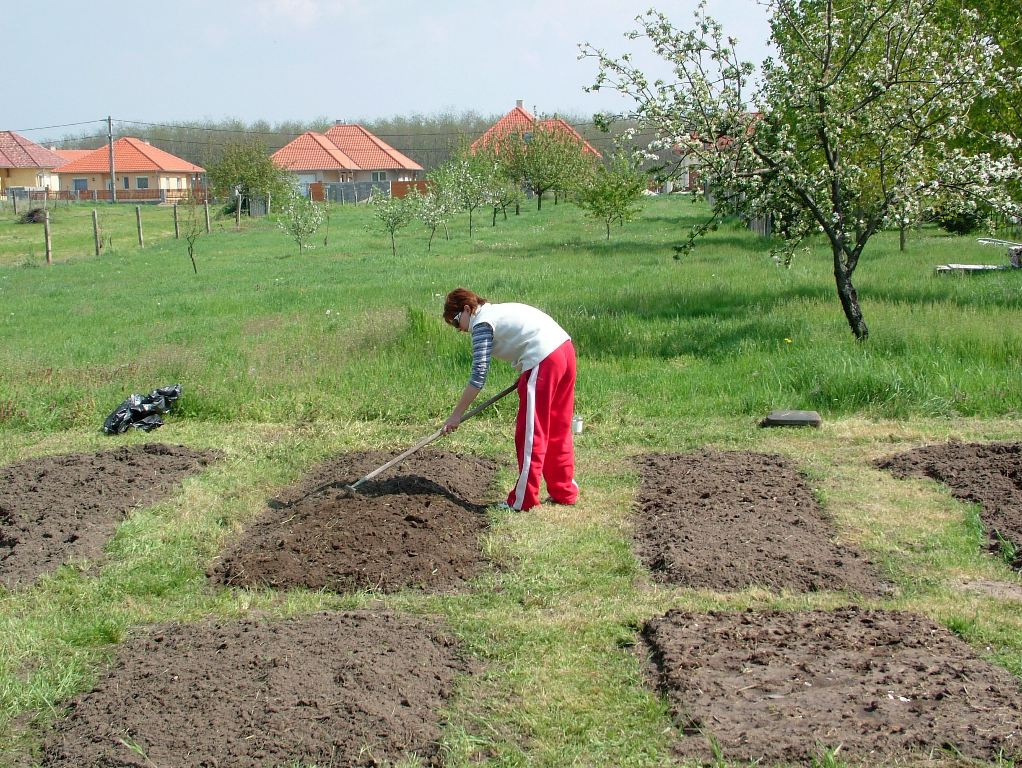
(416, 525)
(785, 686)
(988, 474)
(730, 520)
(64, 508)
(353, 689)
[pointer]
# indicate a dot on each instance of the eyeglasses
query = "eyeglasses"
(456, 320)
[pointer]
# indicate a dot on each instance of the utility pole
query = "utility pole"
(110, 138)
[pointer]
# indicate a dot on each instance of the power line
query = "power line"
(65, 125)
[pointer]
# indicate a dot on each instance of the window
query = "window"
(127, 183)
(379, 175)
(141, 182)
(80, 185)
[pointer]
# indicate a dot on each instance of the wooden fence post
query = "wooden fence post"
(138, 222)
(49, 244)
(206, 206)
(237, 212)
(95, 229)
(14, 197)
(177, 232)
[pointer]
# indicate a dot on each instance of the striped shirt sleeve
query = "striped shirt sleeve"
(482, 347)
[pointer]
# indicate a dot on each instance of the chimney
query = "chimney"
(518, 103)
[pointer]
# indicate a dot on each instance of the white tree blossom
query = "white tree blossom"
(300, 218)
(847, 132)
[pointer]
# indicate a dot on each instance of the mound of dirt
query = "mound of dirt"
(354, 689)
(59, 508)
(988, 474)
(731, 520)
(782, 686)
(416, 525)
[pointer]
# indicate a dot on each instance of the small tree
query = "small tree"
(467, 176)
(300, 217)
(245, 168)
(393, 213)
(434, 209)
(501, 185)
(194, 227)
(611, 192)
(543, 158)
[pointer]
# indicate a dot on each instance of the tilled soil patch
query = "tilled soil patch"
(416, 525)
(782, 686)
(59, 508)
(351, 689)
(988, 474)
(730, 520)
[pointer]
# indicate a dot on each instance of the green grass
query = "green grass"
(72, 237)
(286, 360)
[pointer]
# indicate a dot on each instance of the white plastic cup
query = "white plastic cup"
(576, 425)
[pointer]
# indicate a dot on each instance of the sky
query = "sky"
(193, 61)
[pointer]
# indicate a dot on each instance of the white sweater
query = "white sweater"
(522, 335)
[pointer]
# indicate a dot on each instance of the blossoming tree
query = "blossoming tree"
(850, 129)
(300, 217)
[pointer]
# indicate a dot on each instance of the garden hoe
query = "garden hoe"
(353, 488)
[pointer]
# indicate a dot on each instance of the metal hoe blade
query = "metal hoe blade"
(353, 488)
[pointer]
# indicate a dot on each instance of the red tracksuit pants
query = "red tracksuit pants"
(546, 402)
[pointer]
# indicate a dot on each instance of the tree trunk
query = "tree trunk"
(539, 202)
(393, 244)
(608, 229)
(901, 237)
(494, 217)
(849, 298)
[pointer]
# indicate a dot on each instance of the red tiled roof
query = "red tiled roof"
(343, 147)
(18, 152)
(557, 124)
(518, 120)
(67, 155)
(369, 152)
(131, 155)
(312, 152)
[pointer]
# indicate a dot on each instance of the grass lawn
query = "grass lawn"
(286, 359)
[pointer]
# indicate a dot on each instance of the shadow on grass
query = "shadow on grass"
(707, 323)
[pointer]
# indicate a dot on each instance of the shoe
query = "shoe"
(552, 500)
(502, 506)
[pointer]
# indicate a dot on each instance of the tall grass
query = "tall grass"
(349, 332)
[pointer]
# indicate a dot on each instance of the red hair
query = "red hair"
(457, 300)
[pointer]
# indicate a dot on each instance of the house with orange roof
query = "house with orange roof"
(67, 155)
(24, 163)
(520, 122)
(141, 172)
(345, 153)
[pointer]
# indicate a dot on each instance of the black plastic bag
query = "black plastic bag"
(142, 411)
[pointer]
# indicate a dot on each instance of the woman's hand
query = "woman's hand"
(451, 424)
